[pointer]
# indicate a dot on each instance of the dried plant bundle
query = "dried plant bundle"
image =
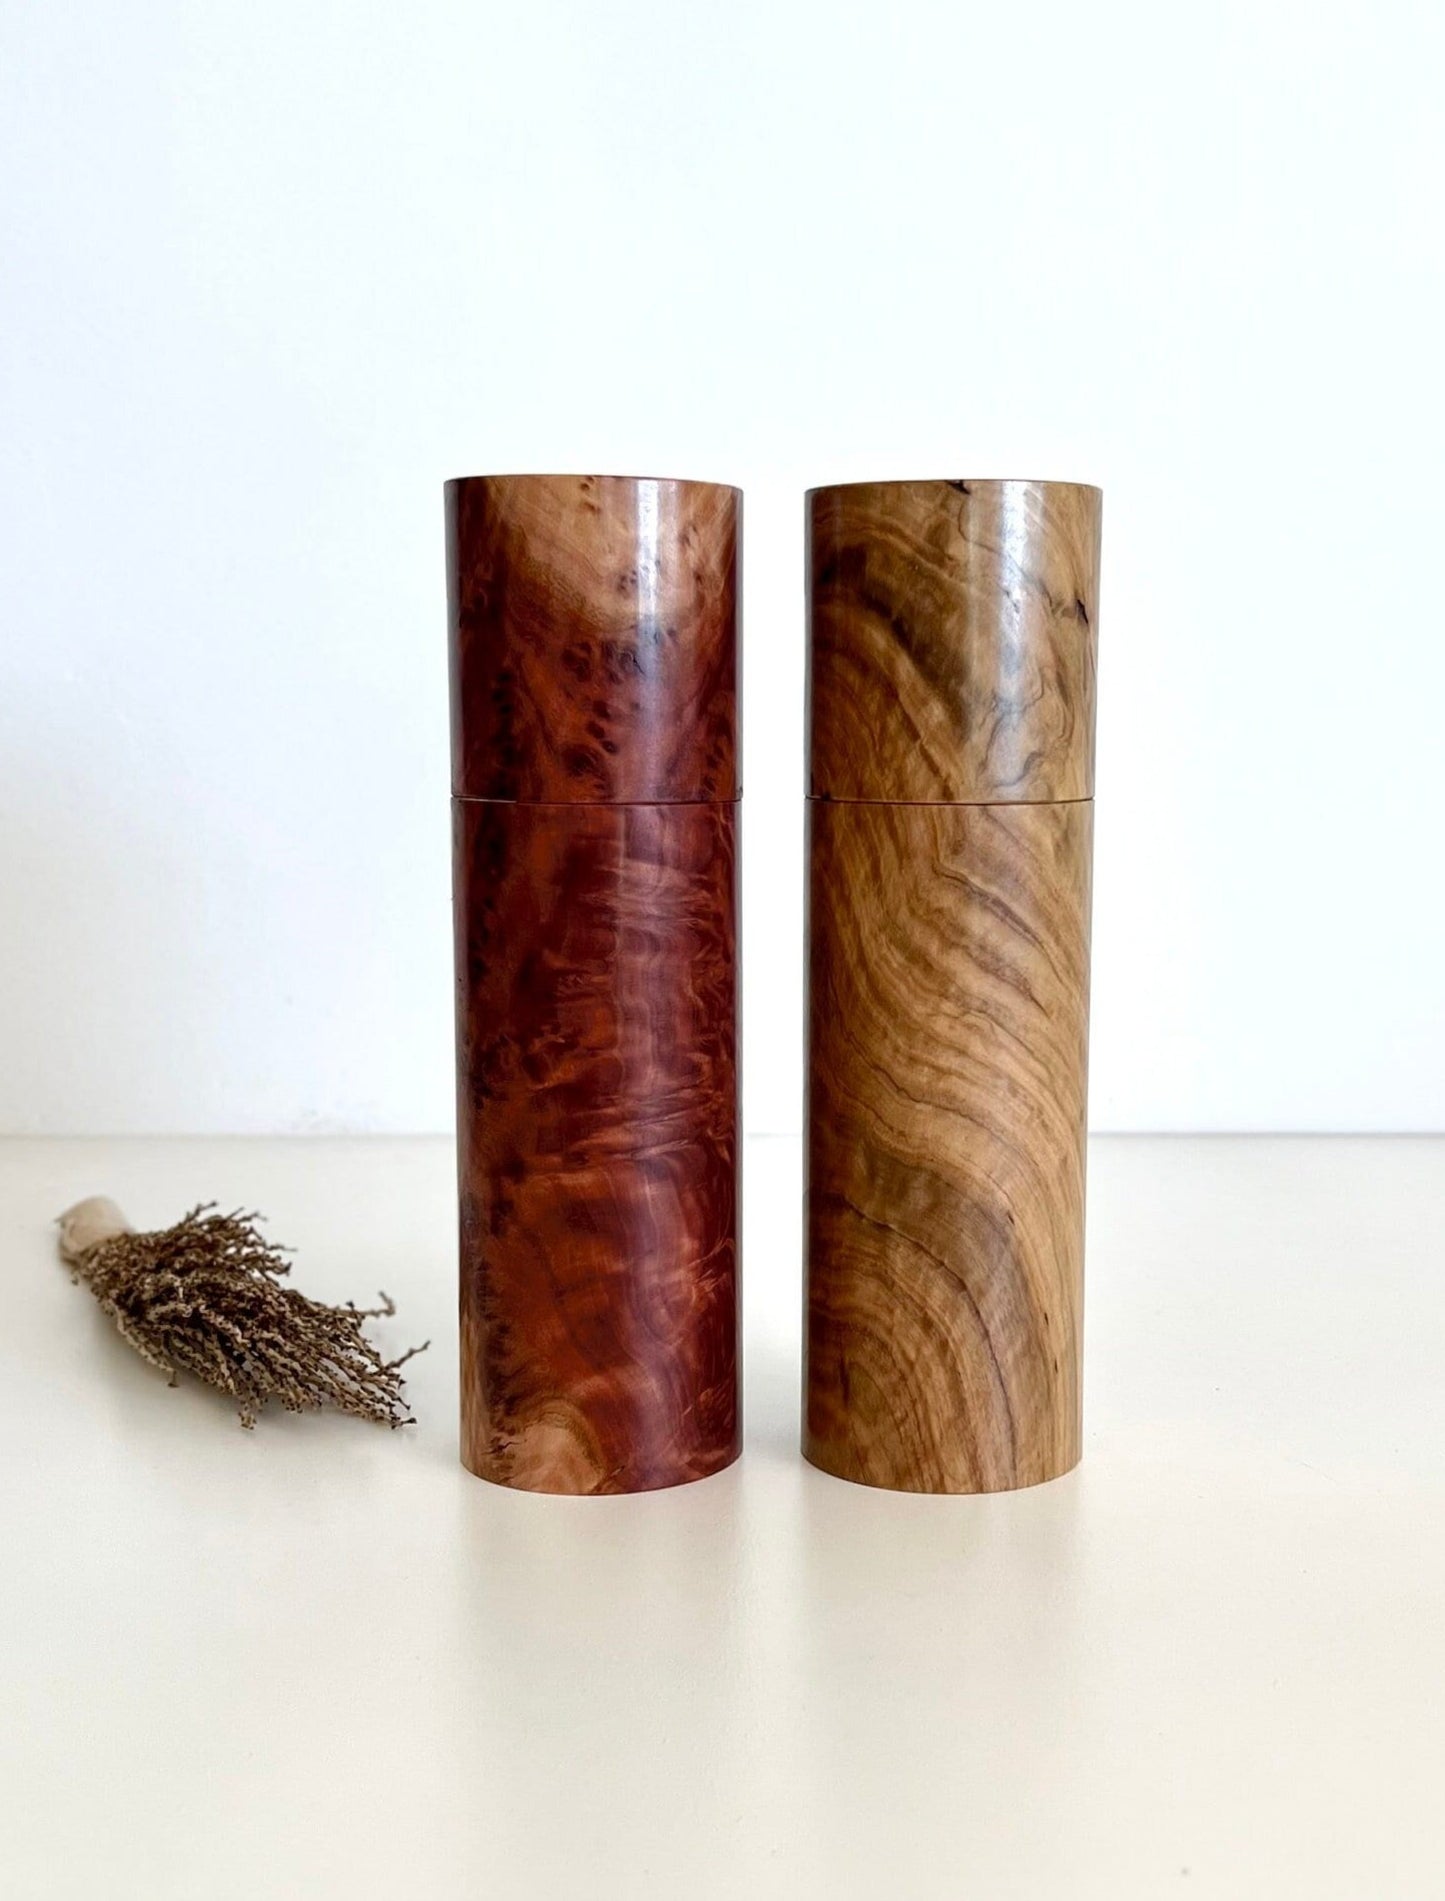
(208, 1296)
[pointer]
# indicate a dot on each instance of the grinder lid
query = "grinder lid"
(952, 641)
(594, 638)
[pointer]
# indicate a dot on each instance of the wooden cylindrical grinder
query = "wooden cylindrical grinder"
(952, 630)
(594, 644)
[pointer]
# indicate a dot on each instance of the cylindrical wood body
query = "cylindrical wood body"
(594, 645)
(952, 656)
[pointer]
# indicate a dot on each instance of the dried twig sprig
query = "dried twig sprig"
(207, 1297)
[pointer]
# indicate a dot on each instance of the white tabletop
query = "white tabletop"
(320, 1660)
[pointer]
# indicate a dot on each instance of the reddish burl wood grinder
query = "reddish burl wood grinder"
(952, 632)
(594, 658)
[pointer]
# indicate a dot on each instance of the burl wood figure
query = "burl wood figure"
(594, 723)
(952, 664)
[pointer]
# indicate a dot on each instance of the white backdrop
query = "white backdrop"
(274, 268)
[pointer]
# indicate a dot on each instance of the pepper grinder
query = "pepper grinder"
(594, 637)
(952, 630)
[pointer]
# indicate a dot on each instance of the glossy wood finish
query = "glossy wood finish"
(593, 637)
(598, 1136)
(953, 629)
(948, 1032)
(594, 722)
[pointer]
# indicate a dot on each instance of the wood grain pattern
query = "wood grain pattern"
(953, 640)
(952, 630)
(593, 637)
(598, 1137)
(593, 624)
(948, 1028)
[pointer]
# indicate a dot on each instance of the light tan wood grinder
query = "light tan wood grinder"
(952, 629)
